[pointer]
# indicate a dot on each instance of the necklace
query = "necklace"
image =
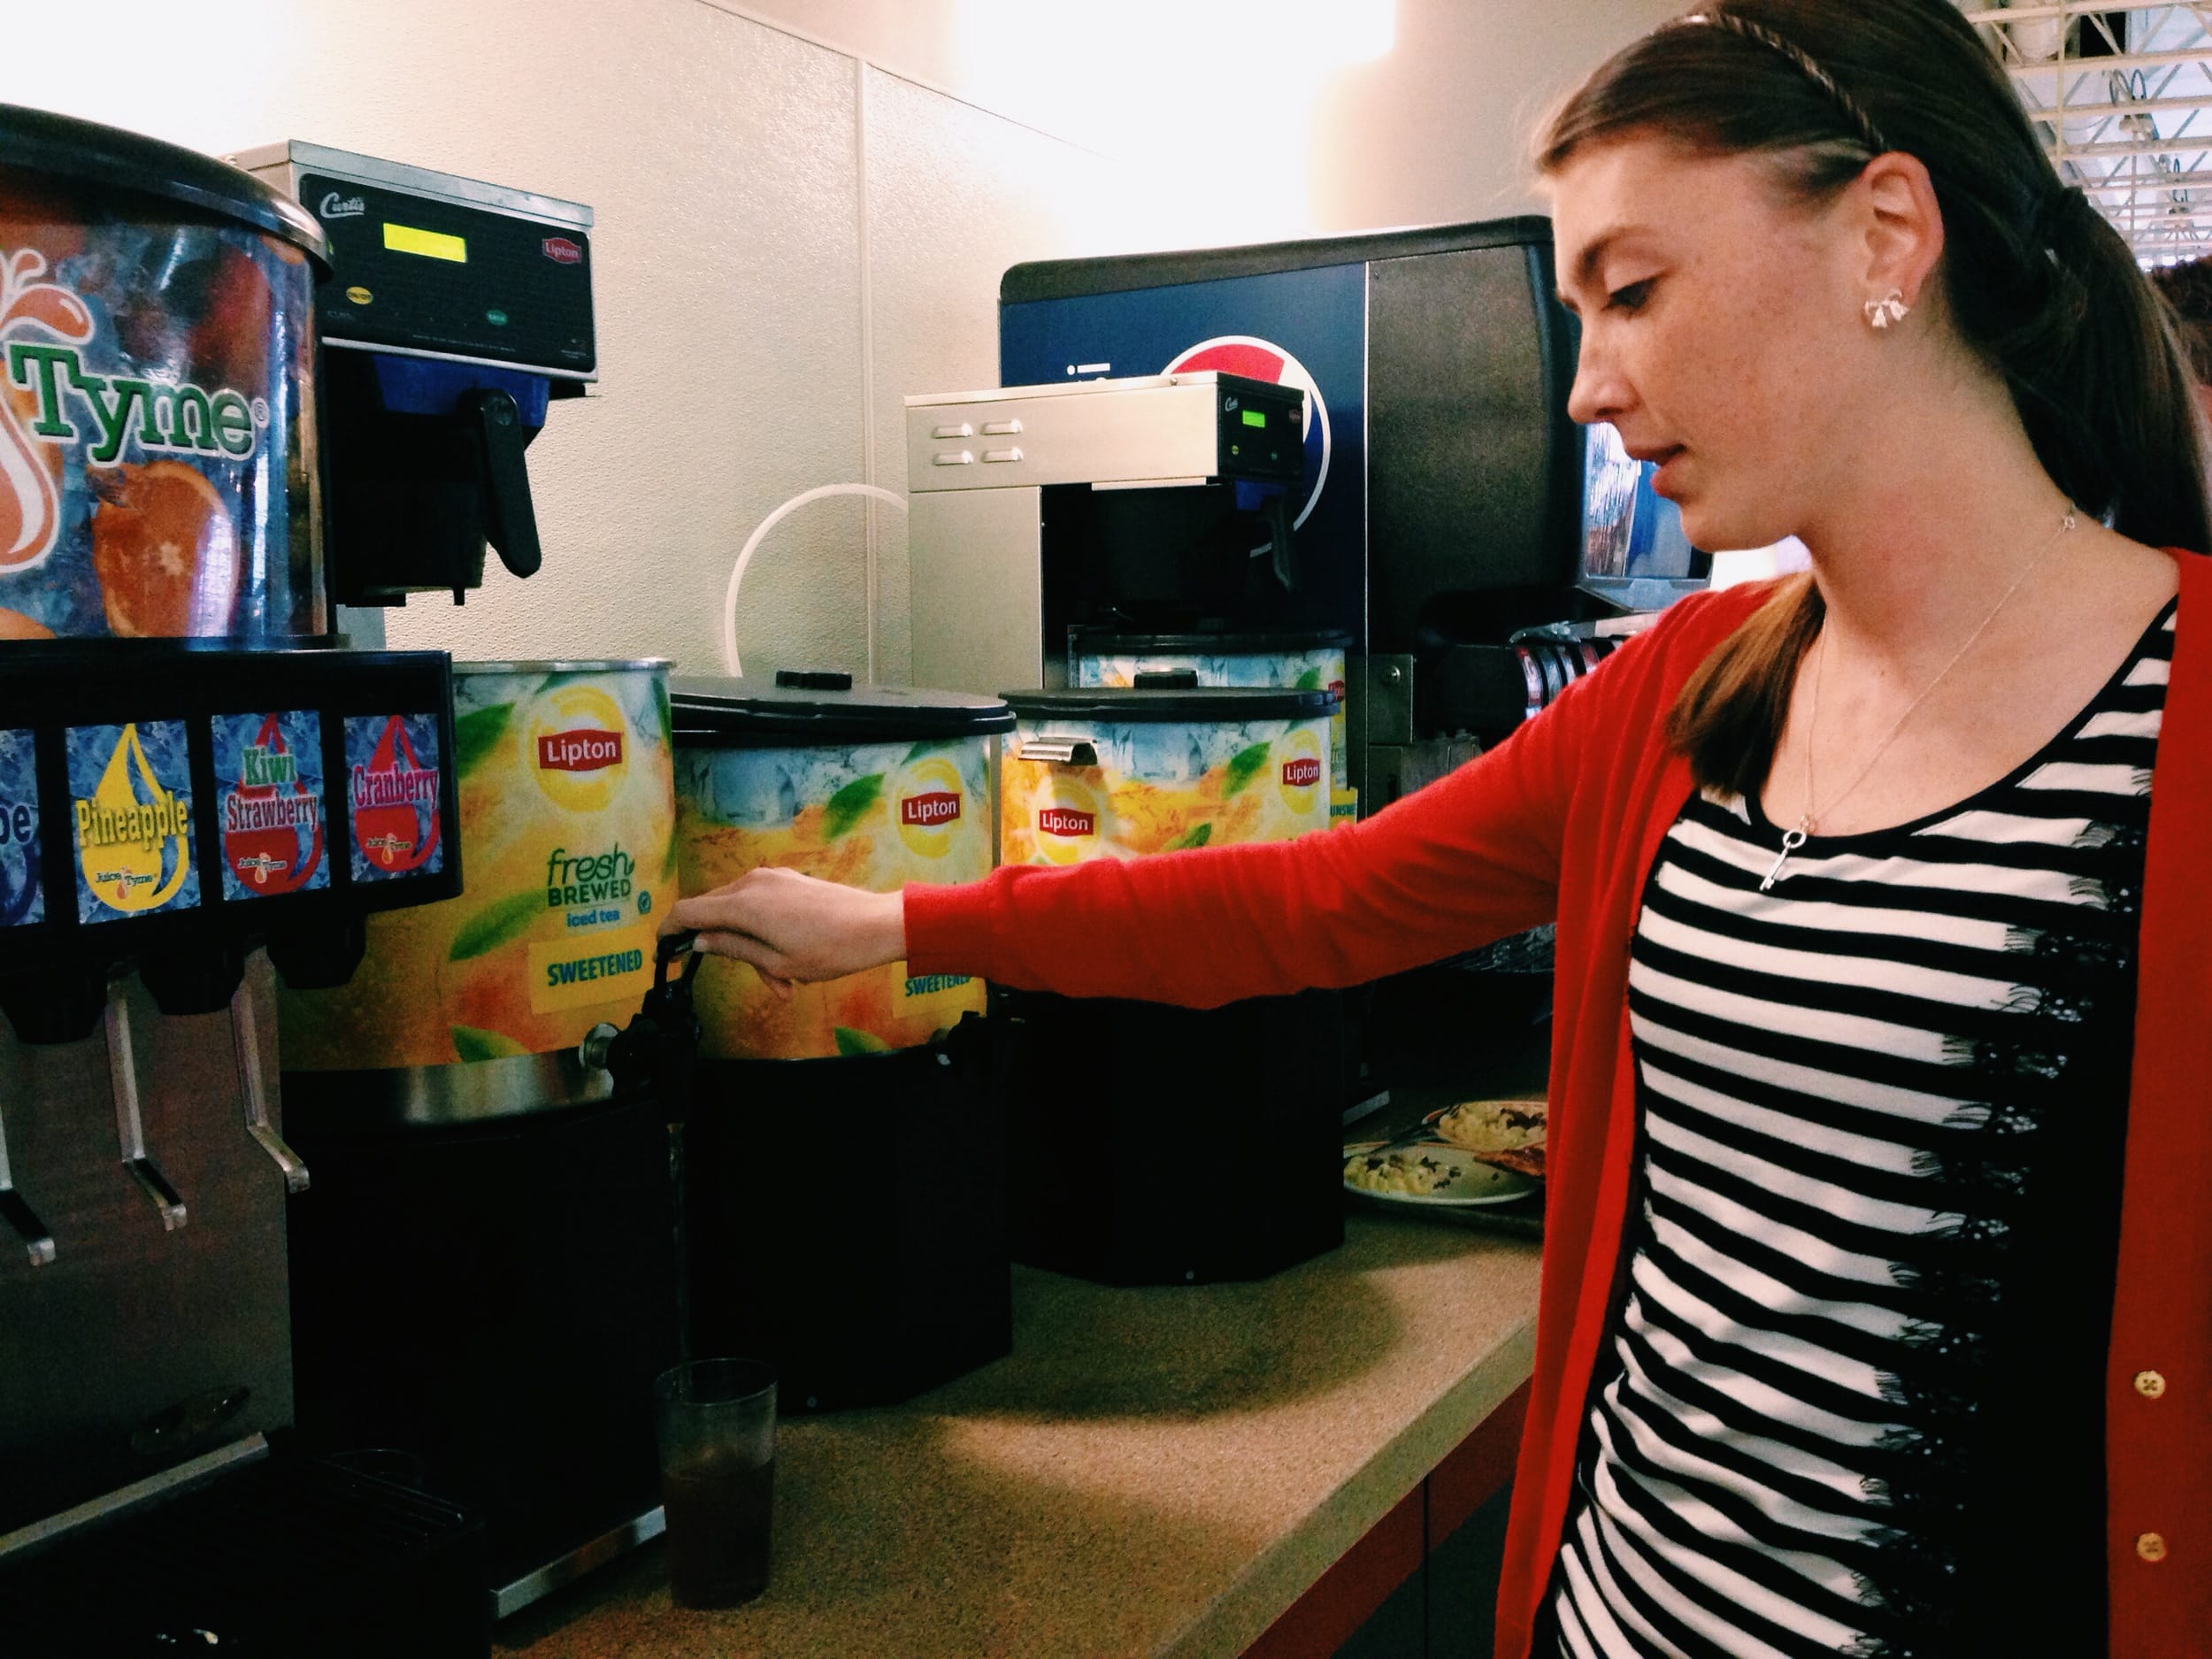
(1809, 823)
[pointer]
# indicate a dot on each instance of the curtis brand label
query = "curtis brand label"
(1303, 772)
(583, 749)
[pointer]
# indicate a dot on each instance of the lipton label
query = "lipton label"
(578, 746)
(1301, 770)
(928, 795)
(269, 803)
(393, 791)
(1068, 820)
(131, 810)
(584, 749)
(22, 883)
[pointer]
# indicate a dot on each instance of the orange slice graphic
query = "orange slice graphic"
(164, 550)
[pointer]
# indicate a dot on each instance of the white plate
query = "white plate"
(1473, 1182)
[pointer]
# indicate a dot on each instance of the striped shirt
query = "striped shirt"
(1851, 1401)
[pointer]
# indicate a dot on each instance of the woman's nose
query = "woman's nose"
(1599, 392)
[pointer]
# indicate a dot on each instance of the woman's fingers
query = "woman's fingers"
(794, 926)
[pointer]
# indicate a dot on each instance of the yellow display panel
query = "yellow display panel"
(431, 244)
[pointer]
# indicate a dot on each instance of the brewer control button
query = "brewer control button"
(2150, 1547)
(952, 457)
(962, 430)
(2149, 1383)
(1002, 455)
(1001, 428)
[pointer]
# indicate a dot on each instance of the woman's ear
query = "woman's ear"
(1899, 228)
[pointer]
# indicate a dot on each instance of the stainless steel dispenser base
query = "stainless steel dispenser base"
(533, 1587)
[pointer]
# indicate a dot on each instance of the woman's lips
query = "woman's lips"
(1668, 462)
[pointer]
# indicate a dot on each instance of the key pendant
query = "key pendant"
(1792, 840)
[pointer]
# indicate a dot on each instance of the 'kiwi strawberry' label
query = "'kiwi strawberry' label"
(269, 803)
(392, 790)
(131, 810)
(22, 890)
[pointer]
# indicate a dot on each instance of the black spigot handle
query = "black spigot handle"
(510, 522)
(658, 1051)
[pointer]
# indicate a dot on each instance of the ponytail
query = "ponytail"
(2035, 278)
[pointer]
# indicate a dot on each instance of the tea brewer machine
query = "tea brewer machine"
(193, 787)
(452, 313)
(1441, 504)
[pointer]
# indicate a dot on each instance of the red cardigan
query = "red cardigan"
(1562, 821)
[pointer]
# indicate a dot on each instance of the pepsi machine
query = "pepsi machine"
(1445, 503)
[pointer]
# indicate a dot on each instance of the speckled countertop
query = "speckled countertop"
(1151, 1472)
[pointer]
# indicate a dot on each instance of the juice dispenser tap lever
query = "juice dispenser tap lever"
(130, 1128)
(659, 1049)
(246, 1035)
(510, 522)
(37, 1241)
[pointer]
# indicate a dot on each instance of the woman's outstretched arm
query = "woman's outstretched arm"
(1467, 860)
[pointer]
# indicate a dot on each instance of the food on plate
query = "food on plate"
(1508, 1133)
(1414, 1172)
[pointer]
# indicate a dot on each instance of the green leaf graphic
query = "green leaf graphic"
(1197, 835)
(496, 924)
(850, 804)
(668, 860)
(851, 1042)
(472, 1044)
(1310, 680)
(475, 735)
(932, 746)
(1244, 765)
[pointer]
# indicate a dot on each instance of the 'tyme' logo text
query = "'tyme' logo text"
(582, 749)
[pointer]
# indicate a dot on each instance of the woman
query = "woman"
(1877, 1314)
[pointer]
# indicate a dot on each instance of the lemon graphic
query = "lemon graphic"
(929, 805)
(1302, 772)
(579, 747)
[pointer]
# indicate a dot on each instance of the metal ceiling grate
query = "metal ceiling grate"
(2123, 94)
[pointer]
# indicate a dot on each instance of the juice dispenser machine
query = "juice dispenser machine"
(1439, 509)
(193, 786)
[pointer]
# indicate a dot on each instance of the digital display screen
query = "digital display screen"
(431, 244)
(1256, 417)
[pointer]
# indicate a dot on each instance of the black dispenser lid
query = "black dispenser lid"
(1096, 640)
(1183, 704)
(804, 707)
(38, 141)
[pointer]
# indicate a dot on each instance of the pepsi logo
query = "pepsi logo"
(1258, 359)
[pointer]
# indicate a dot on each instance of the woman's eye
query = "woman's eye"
(1630, 298)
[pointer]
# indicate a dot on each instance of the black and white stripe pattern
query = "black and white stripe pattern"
(1864, 1099)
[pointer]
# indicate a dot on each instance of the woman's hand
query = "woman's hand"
(791, 926)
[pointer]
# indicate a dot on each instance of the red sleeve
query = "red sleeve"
(1471, 858)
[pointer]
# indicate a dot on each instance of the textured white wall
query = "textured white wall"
(746, 350)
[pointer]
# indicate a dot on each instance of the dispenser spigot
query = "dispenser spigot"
(129, 1125)
(37, 1242)
(659, 1049)
(246, 1037)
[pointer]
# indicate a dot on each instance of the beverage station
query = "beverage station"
(366, 1153)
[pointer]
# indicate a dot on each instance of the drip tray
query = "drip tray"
(284, 1558)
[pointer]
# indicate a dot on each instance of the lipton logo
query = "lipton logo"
(560, 250)
(582, 749)
(926, 811)
(1066, 822)
(1302, 772)
(159, 417)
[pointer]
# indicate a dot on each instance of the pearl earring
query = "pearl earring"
(1891, 308)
